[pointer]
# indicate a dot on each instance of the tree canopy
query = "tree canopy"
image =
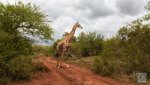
(17, 22)
(24, 19)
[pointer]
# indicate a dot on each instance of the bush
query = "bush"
(39, 66)
(89, 44)
(97, 65)
(4, 80)
(15, 63)
(20, 68)
(127, 53)
(13, 48)
(103, 66)
(86, 44)
(42, 50)
(16, 25)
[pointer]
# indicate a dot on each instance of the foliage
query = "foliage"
(20, 68)
(16, 23)
(89, 44)
(42, 50)
(83, 62)
(12, 48)
(39, 66)
(104, 66)
(127, 53)
(17, 68)
(17, 19)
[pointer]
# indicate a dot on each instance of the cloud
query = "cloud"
(94, 8)
(104, 16)
(131, 7)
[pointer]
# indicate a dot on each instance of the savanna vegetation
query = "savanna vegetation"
(127, 53)
(124, 55)
(18, 23)
(86, 44)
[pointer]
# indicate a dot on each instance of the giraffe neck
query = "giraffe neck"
(71, 34)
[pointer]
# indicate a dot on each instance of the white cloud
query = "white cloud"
(131, 7)
(104, 16)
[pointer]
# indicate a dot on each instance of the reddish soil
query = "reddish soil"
(73, 75)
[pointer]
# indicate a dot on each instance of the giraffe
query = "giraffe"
(64, 45)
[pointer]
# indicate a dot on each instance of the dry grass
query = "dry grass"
(86, 62)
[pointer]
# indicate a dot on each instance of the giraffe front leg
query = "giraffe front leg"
(67, 65)
(67, 61)
(60, 61)
(58, 65)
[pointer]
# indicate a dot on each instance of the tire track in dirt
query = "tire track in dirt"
(55, 75)
(73, 75)
(68, 75)
(80, 76)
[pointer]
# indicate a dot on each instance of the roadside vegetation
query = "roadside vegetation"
(122, 56)
(125, 54)
(16, 47)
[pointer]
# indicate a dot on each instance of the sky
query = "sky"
(102, 16)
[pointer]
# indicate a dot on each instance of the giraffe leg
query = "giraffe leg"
(67, 65)
(67, 61)
(58, 65)
(61, 63)
(60, 60)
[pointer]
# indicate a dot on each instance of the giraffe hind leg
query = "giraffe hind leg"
(58, 63)
(67, 64)
(60, 60)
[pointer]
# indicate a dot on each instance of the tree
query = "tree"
(16, 23)
(25, 19)
(128, 52)
(89, 44)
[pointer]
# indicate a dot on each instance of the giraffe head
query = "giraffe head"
(78, 25)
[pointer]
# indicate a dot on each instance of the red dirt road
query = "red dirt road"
(68, 76)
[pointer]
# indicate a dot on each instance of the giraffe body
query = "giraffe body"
(64, 45)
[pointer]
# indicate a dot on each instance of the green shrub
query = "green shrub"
(86, 44)
(4, 80)
(39, 66)
(15, 45)
(103, 66)
(13, 65)
(20, 68)
(42, 50)
(127, 53)
(97, 64)
(89, 44)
